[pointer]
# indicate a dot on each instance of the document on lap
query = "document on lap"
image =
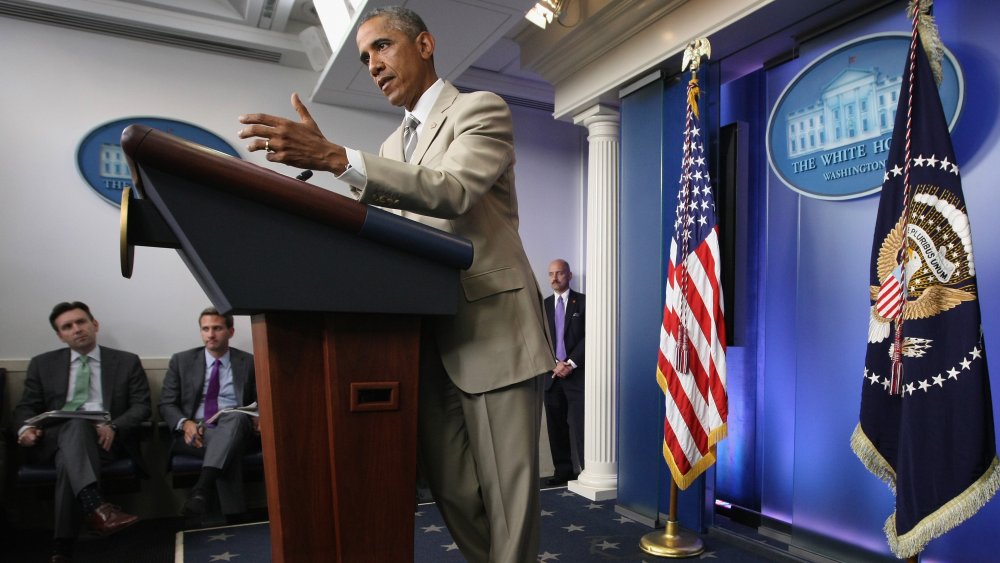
(54, 417)
(250, 409)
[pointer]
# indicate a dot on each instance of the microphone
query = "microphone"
(305, 175)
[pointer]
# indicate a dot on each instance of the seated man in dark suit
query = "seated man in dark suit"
(199, 383)
(87, 377)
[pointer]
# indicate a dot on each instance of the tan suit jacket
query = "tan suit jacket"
(461, 180)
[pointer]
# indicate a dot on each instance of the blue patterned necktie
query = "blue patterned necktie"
(212, 394)
(560, 329)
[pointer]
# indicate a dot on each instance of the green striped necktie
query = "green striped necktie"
(81, 391)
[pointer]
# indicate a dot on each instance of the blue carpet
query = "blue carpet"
(574, 530)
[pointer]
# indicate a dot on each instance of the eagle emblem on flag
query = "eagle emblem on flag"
(939, 264)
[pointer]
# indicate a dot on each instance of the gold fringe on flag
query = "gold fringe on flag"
(942, 520)
(953, 513)
(930, 38)
(871, 459)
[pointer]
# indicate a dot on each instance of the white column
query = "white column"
(599, 479)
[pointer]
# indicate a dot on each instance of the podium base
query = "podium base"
(672, 542)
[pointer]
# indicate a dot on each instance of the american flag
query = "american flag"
(926, 421)
(691, 367)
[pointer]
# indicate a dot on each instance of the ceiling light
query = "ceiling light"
(544, 12)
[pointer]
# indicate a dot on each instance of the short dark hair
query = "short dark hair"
(215, 313)
(399, 18)
(67, 306)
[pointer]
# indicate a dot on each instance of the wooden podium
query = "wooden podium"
(336, 290)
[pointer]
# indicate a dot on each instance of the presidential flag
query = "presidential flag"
(926, 424)
(691, 367)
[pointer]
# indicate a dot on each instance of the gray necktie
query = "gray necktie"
(409, 136)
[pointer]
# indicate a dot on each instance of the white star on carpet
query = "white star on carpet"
(548, 556)
(432, 528)
(450, 547)
(708, 555)
(624, 520)
(607, 545)
(593, 506)
(224, 556)
(573, 528)
(547, 513)
(567, 494)
(220, 537)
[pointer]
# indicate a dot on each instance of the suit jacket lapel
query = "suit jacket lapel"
(393, 146)
(571, 306)
(236, 365)
(550, 323)
(62, 378)
(109, 372)
(435, 120)
(199, 370)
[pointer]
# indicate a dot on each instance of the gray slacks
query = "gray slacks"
(224, 446)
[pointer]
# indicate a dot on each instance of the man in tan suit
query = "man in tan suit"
(451, 166)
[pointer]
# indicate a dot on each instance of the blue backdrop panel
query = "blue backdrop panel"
(737, 476)
(640, 408)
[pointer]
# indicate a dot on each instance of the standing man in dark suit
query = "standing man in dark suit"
(83, 376)
(450, 165)
(199, 383)
(564, 389)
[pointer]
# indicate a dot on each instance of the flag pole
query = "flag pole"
(672, 541)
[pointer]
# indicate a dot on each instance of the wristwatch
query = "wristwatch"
(113, 426)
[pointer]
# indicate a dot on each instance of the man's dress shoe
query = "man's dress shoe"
(108, 519)
(196, 503)
(559, 480)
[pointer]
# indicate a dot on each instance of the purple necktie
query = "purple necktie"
(212, 395)
(560, 329)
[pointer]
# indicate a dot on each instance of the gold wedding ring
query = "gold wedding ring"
(267, 145)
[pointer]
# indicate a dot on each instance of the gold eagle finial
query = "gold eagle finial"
(694, 52)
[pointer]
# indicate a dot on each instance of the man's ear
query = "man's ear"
(425, 45)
